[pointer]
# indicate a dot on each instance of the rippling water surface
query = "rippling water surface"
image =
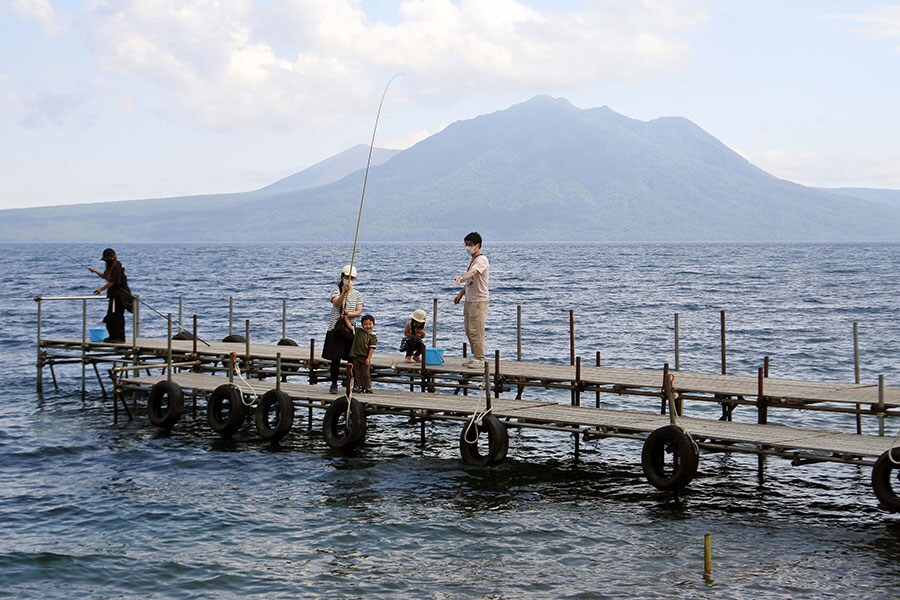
(90, 509)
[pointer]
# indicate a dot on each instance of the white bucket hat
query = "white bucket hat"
(348, 271)
(418, 315)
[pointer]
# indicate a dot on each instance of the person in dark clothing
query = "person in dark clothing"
(120, 298)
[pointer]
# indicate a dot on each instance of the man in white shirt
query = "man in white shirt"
(475, 290)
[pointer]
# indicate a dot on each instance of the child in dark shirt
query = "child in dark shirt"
(361, 350)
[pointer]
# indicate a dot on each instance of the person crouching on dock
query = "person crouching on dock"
(413, 334)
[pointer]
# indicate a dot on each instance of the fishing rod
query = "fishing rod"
(366, 176)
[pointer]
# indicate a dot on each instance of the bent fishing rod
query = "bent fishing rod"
(368, 164)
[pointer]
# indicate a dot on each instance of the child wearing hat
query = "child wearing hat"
(413, 334)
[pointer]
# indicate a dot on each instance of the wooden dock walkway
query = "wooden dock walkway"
(671, 443)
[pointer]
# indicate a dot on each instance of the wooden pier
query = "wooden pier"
(671, 410)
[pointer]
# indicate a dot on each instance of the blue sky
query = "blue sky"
(115, 100)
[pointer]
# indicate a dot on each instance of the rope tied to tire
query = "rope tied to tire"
(237, 370)
(476, 419)
(674, 417)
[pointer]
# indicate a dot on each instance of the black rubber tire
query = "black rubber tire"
(284, 415)
(174, 398)
(226, 396)
(497, 439)
(883, 473)
(183, 335)
(340, 434)
(685, 456)
(288, 368)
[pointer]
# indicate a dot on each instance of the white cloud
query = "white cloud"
(883, 21)
(38, 11)
(290, 63)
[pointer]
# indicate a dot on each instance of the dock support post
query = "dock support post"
(194, 323)
(762, 418)
(598, 391)
(722, 335)
(278, 371)
(663, 401)
(434, 323)
(677, 345)
(247, 347)
(180, 312)
(169, 347)
(312, 362)
(283, 318)
(466, 381)
(497, 385)
(571, 337)
(577, 390)
(487, 385)
(83, 347)
(40, 362)
(137, 316)
(230, 314)
(881, 405)
(856, 373)
(519, 332)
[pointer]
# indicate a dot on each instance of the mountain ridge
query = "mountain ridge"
(539, 170)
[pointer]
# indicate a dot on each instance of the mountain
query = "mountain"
(332, 169)
(889, 198)
(540, 170)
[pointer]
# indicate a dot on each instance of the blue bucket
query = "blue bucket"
(97, 334)
(434, 356)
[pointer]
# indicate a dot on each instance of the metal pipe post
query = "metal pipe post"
(571, 337)
(180, 312)
(519, 332)
(856, 373)
(195, 336)
(137, 315)
(278, 371)
(230, 314)
(497, 384)
(40, 366)
(434, 317)
(283, 318)
(881, 405)
(677, 345)
(83, 346)
(598, 392)
(169, 347)
(722, 327)
(487, 385)
(247, 346)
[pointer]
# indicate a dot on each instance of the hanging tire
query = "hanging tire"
(165, 404)
(341, 433)
(886, 479)
(288, 368)
(497, 442)
(685, 458)
(225, 410)
(284, 415)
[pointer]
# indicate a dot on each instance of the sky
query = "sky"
(104, 100)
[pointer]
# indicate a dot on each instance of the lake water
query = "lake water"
(95, 510)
